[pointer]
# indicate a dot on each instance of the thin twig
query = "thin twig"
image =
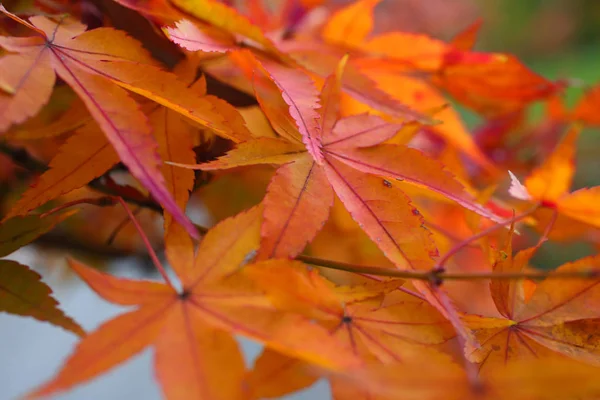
(549, 227)
(22, 158)
(436, 276)
(151, 251)
(104, 201)
(121, 225)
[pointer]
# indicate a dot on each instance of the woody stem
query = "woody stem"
(442, 276)
(104, 201)
(147, 244)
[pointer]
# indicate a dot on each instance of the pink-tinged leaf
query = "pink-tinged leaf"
(191, 37)
(299, 92)
(227, 19)
(99, 45)
(128, 131)
(361, 130)
(28, 80)
(410, 165)
(166, 89)
(86, 155)
(331, 95)
(385, 214)
(267, 94)
(296, 206)
(517, 189)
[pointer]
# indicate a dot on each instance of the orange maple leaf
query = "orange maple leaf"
(196, 323)
(22, 291)
(551, 319)
(345, 158)
(439, 378)
(97, 72)
(377, 320)
(549, 186)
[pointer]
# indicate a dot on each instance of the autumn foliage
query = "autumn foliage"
(361, 233)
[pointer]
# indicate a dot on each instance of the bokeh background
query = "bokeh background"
(556, 38)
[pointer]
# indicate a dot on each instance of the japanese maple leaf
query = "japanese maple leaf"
(377, 320)
(370, 71)
(208, 23)
(548, 186)
(87, 153)
(97, 65)
(559, 318)
(22, 292)
(408, 66)
(237, 32)
(439, 378)
(191, 330)
(490, 83)
(322, 154)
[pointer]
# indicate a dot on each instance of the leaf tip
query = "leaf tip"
(517, 189)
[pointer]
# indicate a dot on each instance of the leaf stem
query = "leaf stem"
(147, 244)
(103, 201)
(548, 228)
(459, 246)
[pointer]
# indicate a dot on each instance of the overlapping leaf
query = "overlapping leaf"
(350, 157)
(213, 304)
(336, 129)
(21, 290)
(96, 71)
(352, 143)
(19, 231)
(558, 319)
(387, 331)
(23, 293)
(438, 378)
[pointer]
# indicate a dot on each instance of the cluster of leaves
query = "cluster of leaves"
(409, 287)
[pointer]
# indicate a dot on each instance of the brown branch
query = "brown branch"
(436, 276)
(23, 159)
